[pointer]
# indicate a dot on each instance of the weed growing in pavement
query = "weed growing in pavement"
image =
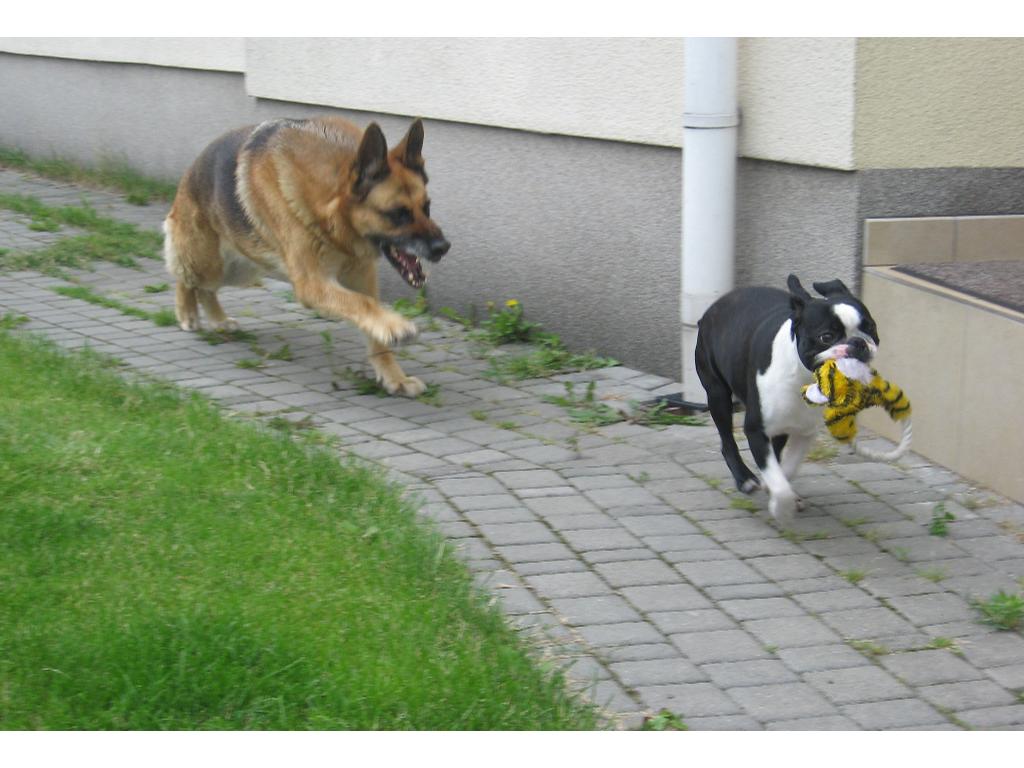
(940, 519)
(1002, 610)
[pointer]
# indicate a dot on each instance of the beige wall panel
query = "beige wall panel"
(797, 96)
(917, 329)
(940, 102)
(626, 89)
(218, 53)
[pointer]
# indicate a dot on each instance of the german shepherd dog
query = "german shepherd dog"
(315, 202)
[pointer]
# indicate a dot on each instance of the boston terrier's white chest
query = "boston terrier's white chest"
(783, 409)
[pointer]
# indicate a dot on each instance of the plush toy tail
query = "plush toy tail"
(897, 452)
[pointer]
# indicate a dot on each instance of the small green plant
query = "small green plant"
(660, 414)
(156, 288)
(451, 314)
(901, 553)
(104, 239)
(586, 409)
(742, 502)
(109, 174)
(869, 647)
(162, 317)
(431, 395)
(412, 307)
(665, 720)
(940, 520)
(364, 384)
(507, 425)
(283, 353)
(853, 522)
(249, 363)
(10, 320)
(934, 575)
(854, 576)
(507, 325)
(478, 415)
(946, 643)
(549, 357)
(217, 336)
(1002, 610)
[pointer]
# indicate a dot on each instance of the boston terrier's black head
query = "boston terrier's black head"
(835, 326)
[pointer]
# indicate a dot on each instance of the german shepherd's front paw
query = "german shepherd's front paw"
(407, 386)
(389, 328)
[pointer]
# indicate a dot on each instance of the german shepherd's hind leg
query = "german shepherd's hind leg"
(192, 256)
(185, 307)
(215, 312)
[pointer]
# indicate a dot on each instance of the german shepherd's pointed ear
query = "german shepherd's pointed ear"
(798, 295)
(371, 164)
(831, 288)
(409, 151)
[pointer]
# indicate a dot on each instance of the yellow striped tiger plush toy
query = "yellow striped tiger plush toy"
(846, 387)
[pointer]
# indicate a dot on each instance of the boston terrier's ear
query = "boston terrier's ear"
(832, 288)
(798, 296)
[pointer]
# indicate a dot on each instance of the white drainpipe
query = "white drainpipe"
(710, 125)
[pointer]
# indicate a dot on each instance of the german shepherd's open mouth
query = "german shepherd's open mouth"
(405, 254)
(404, 260)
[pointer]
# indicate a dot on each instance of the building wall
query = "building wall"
(940, 102)
(217, 53)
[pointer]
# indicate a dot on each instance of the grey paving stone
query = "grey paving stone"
(577, 505)
(1011, 676)
(929, 667)
(634, 674)
(568, 585)
(626, 633)
(760, 608)
(723, 723)
(782, 701)
(995, 650)
(720, 645)
(631, 573)
(744, 591)
(535, 553)
(688, 700)
(857, 684)
(828, 723)
(899, 713)
(658, 525)
(866, 623)
(835, 600)
(994, 717)
(718, 572)
(491, 501)
(600, 539)
(734, 674)
(665, 597)
(637, 651)
(501, 534)
(960, 697)
(604, 609)
(933, 609)
(791, 631)
(789, 567)
(704, 620)
(822, 657)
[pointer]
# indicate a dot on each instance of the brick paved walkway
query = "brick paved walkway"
(622, 550)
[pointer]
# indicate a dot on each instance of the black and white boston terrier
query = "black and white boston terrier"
(762, 345)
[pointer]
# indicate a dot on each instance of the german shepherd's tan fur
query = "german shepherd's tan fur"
(316, 202)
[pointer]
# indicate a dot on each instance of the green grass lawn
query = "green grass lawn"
(165, 567)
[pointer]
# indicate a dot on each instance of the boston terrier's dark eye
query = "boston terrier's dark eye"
(426, 209)
(827, 338)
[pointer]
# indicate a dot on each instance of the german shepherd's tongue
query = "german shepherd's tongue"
(407, 264)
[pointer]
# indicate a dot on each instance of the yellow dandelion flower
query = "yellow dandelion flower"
(511, 303)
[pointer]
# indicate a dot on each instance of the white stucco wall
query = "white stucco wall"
(217, 53)
(797, 96)
(624, 89)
